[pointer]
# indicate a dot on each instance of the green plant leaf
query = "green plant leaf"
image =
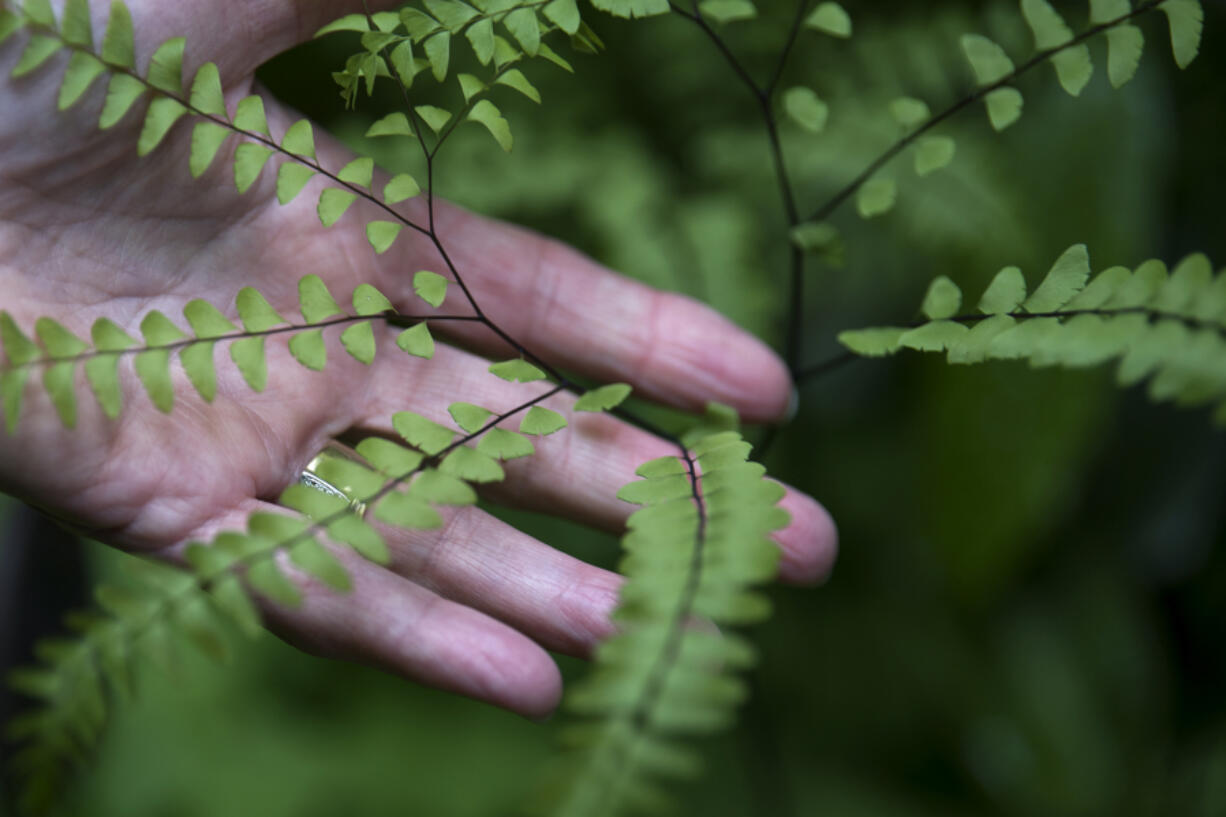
(197, 360)
(382, 234)
(108, 337)
(909, 112)
(38, 50)
(248, 356)
(517, 371)
(1004, 107)
(121, 94)
(417, 341)
(988, 60)
(359, 342)
(75, 26)
(525, 29)
(153, 369)
(206, 320)
(400, 188)
(876, 197)
(438, 52)
(441, 489)
(103, 375)
(82, 70)
(364, 539)
(821, 239)
(877, 342)
(117, 44)
(390, 458)
(505, 445)
(1065, 279)
(728, 11)
(300, 139)
(425, 434)
(58, 382)
(942, 300)
(661, 467)
(255, 312)
(632, 8)
(454, 15)
(516, 79)
(934, 337)
(470, 86)
(316, 560)
(487, 114)
(269, 581)
(468, 417)
(1124, 46)
(367, 300)
(231, 598)
(308, 348)
(291, 178)
(249, 115)
(249, 161)
(430, 287)
(604, 398)
(333, 202)
(359, 172)
(158, 330)
(315, 301)
(1186, 19)
(541, 421)
(166, 66)
(805, 109)
(470, 464)
(830, 18)
(933, 153)
(207, 96)
(56, 339)
(407, 511)
(163, 113)
(564, 14)
(207, 139)
(1005, 294)
(394, 124)
(350, 22)
(1073, 66)
(481, 37)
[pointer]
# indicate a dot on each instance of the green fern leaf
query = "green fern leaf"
(933, 153)
(350, 22)
(249, 115)
(406, 511)
(316, 560)
(481, 37)
(872, 342)
(805, 109)
(248, 356)
(430, 287)
(207, 139)
(438, 52)
(367, 300)
(388, 457)
(315, 301)
(418, 431)
(1124, 46)
(942, 300)
(472, 465)
(988, 60)
(83, 69)
(1005, 293)
(75, 28)
(117, 45)
(161, 116)
(468, 417)
(909, 112)
(394, 124)
(359, 172)
(333, 203)
(197, 361)
(1066, 278)
(359, 342)
(934, 337)
(417, 341)
(564, 14)
(269, 581)
(255, 312)
(604, 398)
(728, 11)
(249, 161)
(517, 371)
(487, 113)
(470, 86)
(437, 488)
(505, 445)
(38, 50)
(541, 421)
(1187, 20)
(525, 29)
(291, 178)
(308, 349)
(876, 197)
(382, 234)
(39, 12)
(830, 18)
(122, 92)
(206, 321)
(300, 139)
(206, 95)
(1073, 66)
(516, 79)
(1004, 107)
(166, 67)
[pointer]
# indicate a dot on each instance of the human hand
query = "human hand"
(88, 230)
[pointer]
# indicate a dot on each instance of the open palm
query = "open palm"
(89, 230)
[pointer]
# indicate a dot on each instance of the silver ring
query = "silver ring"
(317, 473)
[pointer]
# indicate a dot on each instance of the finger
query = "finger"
(576, 314)
(577, 472)
(477, 560)
(394, 624)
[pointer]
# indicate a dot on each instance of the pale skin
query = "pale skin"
(88, 230)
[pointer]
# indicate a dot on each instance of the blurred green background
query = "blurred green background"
(1028, 612)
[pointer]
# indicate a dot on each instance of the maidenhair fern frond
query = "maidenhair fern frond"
(693, 553)
(1169, 328)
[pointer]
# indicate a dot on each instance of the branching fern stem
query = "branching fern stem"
(832, 204)
(392, 319)
(764, 96)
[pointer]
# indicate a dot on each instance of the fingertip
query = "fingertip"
(809, 544)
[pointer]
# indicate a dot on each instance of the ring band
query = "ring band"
(322, 473)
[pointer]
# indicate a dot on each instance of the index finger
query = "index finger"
(581, 316)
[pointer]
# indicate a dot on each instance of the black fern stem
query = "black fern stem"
(834, 202)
